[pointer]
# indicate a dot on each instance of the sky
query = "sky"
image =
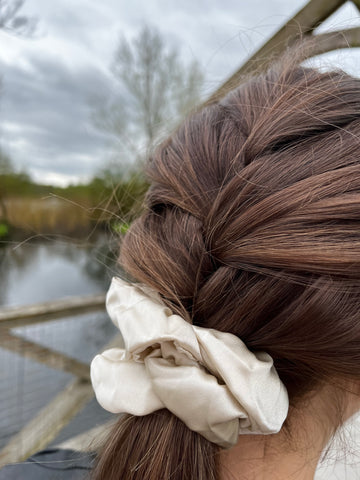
(49, 82)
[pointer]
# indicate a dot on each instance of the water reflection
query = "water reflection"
(42, 271)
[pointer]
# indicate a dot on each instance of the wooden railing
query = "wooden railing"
(302, 25)
(45, 426)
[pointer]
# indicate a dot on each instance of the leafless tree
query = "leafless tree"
(155, 89)
(11, 21)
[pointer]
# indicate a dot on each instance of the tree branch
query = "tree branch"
(13, 23)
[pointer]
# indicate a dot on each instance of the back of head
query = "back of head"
(251, 226)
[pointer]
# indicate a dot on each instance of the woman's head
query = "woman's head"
(252, 223)
(252, 226)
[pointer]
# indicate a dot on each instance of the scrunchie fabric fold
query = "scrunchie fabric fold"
(207, 378)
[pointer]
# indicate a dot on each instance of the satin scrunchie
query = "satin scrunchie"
(207, 378)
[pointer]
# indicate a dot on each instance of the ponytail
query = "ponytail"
(158, 446)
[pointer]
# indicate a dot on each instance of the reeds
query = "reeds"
(49, 215)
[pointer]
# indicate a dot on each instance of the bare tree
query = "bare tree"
(14, 23)
(155, 89)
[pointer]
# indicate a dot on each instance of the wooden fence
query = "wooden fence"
(45, 426)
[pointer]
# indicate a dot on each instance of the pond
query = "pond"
(40, 271)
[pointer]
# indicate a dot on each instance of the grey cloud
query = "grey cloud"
(46, 101)
(51, 105)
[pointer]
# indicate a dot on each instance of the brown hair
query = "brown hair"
(252, 226)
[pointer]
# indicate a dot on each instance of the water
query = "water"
(43, 271)
(37, 272)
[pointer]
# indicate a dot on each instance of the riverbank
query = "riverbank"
(51, 215)
(111, 199)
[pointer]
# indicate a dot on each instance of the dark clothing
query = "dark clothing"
(51, 464)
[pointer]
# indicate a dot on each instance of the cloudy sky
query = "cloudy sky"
(50, 81)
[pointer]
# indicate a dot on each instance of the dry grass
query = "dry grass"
(48, 215)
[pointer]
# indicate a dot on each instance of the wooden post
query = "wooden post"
(44, 355)
(11, 317)
(90, 440)
(44, 427)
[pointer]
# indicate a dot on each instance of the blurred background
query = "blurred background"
(88, 89)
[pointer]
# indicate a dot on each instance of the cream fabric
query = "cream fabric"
(207, 378)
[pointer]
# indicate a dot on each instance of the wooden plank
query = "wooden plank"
(44, 427)
(303, 23)
(327, 42)
(90, 440)
(44, 355)
(41, 312)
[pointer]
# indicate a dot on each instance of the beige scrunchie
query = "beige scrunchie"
(207, 378)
